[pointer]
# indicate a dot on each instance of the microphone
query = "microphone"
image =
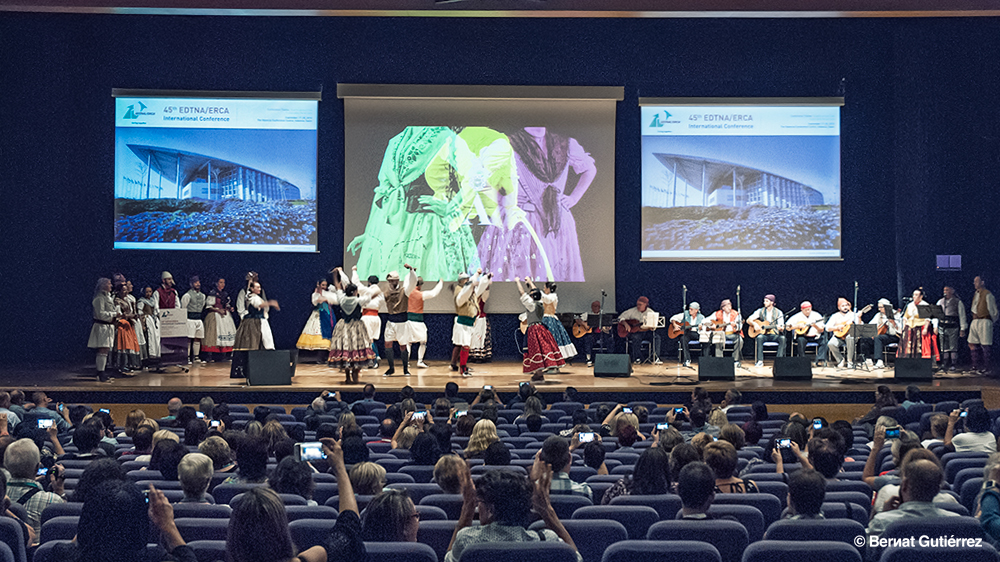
(603, 293)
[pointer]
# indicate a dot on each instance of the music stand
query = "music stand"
(859, 331)
(931, 311)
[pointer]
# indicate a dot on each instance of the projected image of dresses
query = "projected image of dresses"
(415, 214)
(545, 244)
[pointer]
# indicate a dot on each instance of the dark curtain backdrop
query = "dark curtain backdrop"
(920, 143)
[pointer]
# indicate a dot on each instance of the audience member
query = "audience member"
(977, 437)
(732, 434)
(12, 418)
(912, 396)
(60, 414)
(555, 452)
(906, 442)
(884, 398)
(532, 407)
(442, 432)
(132, 421)
(22, 459)
(258, 527)
(921, 483)
(696, 487)
(173, 407)
(195, 432)
(593, 456)
(939, 426)
(368, 478)
(497, 454)
(667, 439)
(721, 457)
(806, 492)
(446, 473)
(167, 454)
(293, 476)
(484, 433)
(505, 502)
(251, 461)
(425, 450)
(651, 476)
(733, 398)
(195, 474)
(96, 473)
(682, 455)
(218, 450)
(27, 533)
(700, 441)
(354, 451)
(889, 491)
(464, 425)
(534, 423)
(390, 517)
(579, 418)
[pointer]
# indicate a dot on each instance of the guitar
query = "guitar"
(676, 329)
(842, 331)
(580, 328)
(713, 326)
(884, 328)
(758, 327)
(626, 327)
(802, 328)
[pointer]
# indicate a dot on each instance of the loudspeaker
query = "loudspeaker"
(792, 369)
(612, 365)
(264, 366)
(913, 369)
(716, 368)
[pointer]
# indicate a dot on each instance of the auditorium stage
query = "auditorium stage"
(665, 384)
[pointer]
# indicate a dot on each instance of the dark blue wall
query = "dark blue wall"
(921, 146)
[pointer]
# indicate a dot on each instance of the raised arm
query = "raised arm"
(410, 282)
(434, 292)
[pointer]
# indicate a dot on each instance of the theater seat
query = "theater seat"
(661, 551)
(801, 551)
(637, 519)
(728, 537)
(547, 551)
(592, 537)
(400, 552)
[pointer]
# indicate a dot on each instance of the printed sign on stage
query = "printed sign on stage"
(173, 323)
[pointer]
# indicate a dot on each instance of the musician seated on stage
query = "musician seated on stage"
(687, 323)
(767, 323)
(586, 334)
(889, 328)
(838, 329)
(723, 326)
(806, 326)
(632, 323)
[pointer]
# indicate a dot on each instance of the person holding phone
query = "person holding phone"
(22, 460)
(977, 436)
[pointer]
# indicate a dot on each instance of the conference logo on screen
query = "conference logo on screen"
(662, 119)
(133, 114)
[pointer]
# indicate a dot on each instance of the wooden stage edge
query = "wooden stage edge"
(670, 378)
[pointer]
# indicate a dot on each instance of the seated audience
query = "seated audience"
(667, 439)
(989, 498)
(977, 437)
(483, 435)
(96, 473)
(651, 476)
(939, 426)
(505, 501)
(921, 483)
(889, 491)
(733, 434)
(696, 487)
(733, 398)
(218, 450)
(446, 473)
(251, 462)
(195, 432)
(132, 421)
(195, 473)
(464, 425)
(293, 476)
(258, 527)
(22, 459)
(355, 450)
(425, 450)
(555, 452)
(390, 517)
(166, 456)
(682, 455)
(699, 424)
(700, 441)
(497, 454)
(368, 478)
(806, 491)
(593, 456)
(27, 533)
(906, 442)
(721, 457)
(579, 418)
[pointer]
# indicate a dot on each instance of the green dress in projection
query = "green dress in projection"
(414, 213)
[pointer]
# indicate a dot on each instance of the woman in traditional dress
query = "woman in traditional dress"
(551, 321)
(542, 352)
(481, 348)
(149, 314)
(544, 161)
(136, 321)
(319, 327)
(349, 347)
(220, 330)
(415, 213)
(254, 331)
(919, 336)
(125, 353)
(102, 334)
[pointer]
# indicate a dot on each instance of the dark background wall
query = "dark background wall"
(920, 143)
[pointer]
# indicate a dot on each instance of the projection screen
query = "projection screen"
(515, 180)
(741, 179)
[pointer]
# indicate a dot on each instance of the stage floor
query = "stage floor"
(503, 375)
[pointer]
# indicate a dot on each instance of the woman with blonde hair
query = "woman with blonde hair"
(368, 478)
(484, 433)
(532, 406)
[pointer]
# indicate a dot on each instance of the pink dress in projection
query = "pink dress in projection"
(544, 161)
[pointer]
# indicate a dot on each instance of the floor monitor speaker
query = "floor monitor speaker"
(612, 365)
(716, 369)
(792, 369)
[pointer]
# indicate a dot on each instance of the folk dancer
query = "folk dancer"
(125, 353)
(542, 352)
(194, 302)
(889, 329)
(415, 312)
(481, 349)
(369, 312)
(465, 295)
(397, 333)
(919, 338)
(837, 323)
(220, 329)
(602, 335)
(551, 301)
(632, 321)
(318, 330)
(349, 346)
(255, 331)
(166, 292)
(689, 321)
(102, 333)
(149, 314)
(953, 327)
(805, 326)
(136, 320)
(771, 323)
(723, 326)
(984, 315)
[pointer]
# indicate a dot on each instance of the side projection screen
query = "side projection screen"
(741, 179)
(215, 170)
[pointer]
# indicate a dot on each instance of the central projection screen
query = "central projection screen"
(741, 179)
(517, 181)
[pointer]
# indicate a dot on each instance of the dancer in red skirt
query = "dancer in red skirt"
(350, 348)
(543, 353)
